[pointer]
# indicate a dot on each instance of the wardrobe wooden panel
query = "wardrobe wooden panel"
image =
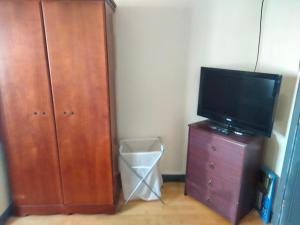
(110, 43)
(76, 42)
(26, 106)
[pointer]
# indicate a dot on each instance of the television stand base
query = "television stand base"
(220, 129)
(227, 129)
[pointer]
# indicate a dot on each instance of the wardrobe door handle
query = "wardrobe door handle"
(36, 113)
(69, 113)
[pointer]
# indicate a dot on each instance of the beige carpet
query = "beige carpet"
(179, 210)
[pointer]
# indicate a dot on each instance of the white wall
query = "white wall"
(151, 44)
(280, 53)
(161, 45)
(4, 193)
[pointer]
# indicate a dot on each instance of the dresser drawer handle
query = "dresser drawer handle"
(211, 165)
(210, 183)
(214, 149)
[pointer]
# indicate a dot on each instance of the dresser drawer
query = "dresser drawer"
(198, 165)
(226, 208)
(216, 147)
(215, 185)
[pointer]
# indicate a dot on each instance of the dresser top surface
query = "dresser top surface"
(243, 139)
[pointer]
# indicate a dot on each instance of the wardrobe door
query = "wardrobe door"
(26, 107)
(75, 32)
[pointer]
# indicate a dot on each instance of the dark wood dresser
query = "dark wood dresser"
(222, 170)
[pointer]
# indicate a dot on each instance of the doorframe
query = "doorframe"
(279, 198)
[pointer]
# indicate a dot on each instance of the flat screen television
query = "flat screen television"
(239, 100)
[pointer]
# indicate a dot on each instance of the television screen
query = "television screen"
(244, 100)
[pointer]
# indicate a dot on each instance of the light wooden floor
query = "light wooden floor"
(179, 210)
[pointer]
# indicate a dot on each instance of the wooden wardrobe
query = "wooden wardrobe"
(57, 105)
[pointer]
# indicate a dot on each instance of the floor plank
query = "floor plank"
(179, 210)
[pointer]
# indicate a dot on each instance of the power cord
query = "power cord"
(259, 37)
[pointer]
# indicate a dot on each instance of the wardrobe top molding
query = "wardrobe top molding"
(110, 2)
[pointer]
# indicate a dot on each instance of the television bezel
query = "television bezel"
(235, 122)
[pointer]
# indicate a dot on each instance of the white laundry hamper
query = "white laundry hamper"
(138, 163)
